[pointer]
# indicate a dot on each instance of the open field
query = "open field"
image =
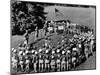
(83, 16)
(54, 39)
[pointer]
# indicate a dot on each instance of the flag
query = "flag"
(57, 12)
(58, 15)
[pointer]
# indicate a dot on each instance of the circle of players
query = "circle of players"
(67, 55)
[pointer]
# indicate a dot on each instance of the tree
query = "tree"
(26, 15)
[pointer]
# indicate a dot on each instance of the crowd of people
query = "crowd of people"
(67, 55)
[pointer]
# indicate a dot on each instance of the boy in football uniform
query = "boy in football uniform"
(47, 63)
(35, 62)
(40, 63)
(52, 63)
(63, 62)
(14, 63)
(27, 64)
(58, 62)
(21, 63)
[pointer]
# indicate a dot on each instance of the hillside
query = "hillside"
(80, 15)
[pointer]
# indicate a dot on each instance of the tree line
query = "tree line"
(26, 16)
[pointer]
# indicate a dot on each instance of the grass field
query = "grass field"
(15, 40)
(83, 16)
(54, 39)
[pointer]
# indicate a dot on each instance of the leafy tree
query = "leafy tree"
(26, 15)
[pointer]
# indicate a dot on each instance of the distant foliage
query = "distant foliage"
(26, 15)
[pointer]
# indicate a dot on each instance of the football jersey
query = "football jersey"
(40, 61)
(46, 61)
(52, 62)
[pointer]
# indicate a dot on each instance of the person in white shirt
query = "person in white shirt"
(21, 63)
(86, 50)
(58, 63)
(91, 46)
(40, 63)
(26, 37)
(52, 64)
(63, 64)
(27, 64)
(47, 65)
(14, 63)
(35, 62)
